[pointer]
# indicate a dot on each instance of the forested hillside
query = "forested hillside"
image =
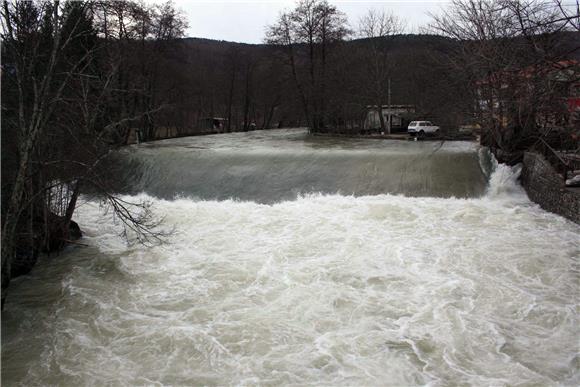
(246, 83)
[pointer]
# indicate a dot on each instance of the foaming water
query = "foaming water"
(323, 289)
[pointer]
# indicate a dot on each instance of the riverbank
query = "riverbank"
(166, 133)
(397, 136)
(546, 187)
(543, 184)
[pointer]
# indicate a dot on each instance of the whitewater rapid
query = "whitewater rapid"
(324, 289)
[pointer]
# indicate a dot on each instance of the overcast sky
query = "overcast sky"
(245, 21)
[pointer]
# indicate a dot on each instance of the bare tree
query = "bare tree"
(56, 126)
(508, 50)
(39, 88)
(378, 28)
(317, 26)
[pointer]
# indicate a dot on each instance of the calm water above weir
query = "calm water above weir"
(300, 260)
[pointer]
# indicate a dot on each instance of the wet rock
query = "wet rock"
(59, 233)
(546, 187)
(25, 258)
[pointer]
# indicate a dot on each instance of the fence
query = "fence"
(561, 165)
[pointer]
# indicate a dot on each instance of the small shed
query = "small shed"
(213, 123)
(397, 117)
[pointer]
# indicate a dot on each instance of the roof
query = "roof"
(392, 106)
(564, 70)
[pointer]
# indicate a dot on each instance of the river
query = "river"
(300, 260)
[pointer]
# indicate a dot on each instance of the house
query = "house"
(540, 96)
(215, 124)
(396, 117)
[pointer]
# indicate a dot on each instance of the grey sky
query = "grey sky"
(245, 21)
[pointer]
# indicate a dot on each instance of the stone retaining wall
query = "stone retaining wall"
(545, 187)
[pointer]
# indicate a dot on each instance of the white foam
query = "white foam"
(326, 289)
(331, 290)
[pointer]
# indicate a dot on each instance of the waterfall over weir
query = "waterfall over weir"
(269, 167)
(307, 261)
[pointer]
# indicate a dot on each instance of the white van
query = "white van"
(421, 128)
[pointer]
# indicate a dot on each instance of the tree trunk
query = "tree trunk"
(381, 118)
(231, 99)
(299, 87)
(247, 99)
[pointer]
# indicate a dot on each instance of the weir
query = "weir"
(289, 163)
(390, 263)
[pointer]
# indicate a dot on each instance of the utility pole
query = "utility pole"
(389, 105)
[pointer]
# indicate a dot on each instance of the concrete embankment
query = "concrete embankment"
(398, 136)
(165, 133)
(546, 187)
